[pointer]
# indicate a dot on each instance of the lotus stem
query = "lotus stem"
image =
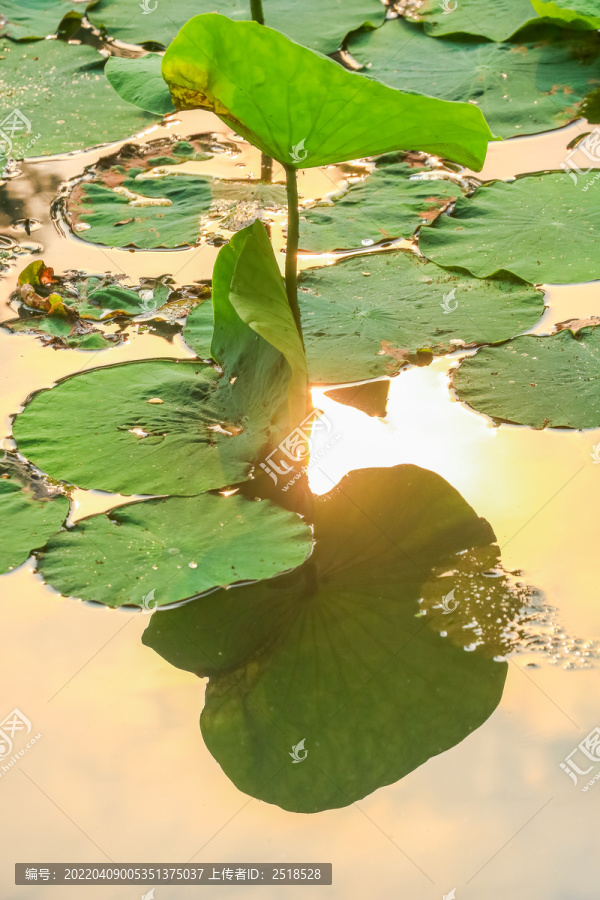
(256, 11)
(266, 168)
(291, 252)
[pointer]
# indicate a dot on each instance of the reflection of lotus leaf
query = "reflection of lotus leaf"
(337, 652)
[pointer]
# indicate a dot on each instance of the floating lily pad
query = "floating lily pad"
(390, 203)
(26, 19)
(56, 99)
(29, 515)
(571, 13)
(520, 88)
(60, 332)
(498, 20)
(538, 381)
(335, 655)
(542, 228)
(89, 296)
(139, 428)
(321, 25)
(165, 427)
(173, 549)
(153, 196)
(120, 217)
(370, 315)
(309, 111)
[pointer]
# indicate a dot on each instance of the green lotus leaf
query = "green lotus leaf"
(62, 99)
(89, 296)
(583, 14)
(254, 324)
(163, 427)
(322, 24)
(390, 203)
(26, 19)
(139, 82)
(520, 88)
(537, 381)
(60, 332)
(160, 551)
(497, 21)
(542, 228)
(309, 111)
(30, 514)
(118, 219)
(370, 315)
(199, 328)
(335, 655)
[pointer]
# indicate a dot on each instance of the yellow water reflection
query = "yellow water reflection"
(121, 771)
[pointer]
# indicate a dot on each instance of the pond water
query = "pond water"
(121, 771)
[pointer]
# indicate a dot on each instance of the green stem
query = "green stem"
(291, 252)
(266, 168)
(256, 11)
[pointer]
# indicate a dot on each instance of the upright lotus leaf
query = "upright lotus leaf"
(55, 96)
(255, 332)
(520, 88)
(542, 228)
(303, 109)
(584, 14)
(158, 552)
(370, 315)
(321, 25)
(391, 203)
(162, 427)
(199, 329)
(537, 381)
(30, 514)
(140, 82)
(335, 654)
(497, 20)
